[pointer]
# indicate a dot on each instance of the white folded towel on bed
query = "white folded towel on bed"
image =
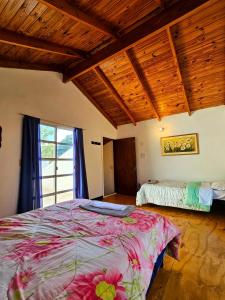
(205, 196)
(102, 204)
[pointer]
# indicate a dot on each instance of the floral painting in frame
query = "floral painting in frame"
(180, 144)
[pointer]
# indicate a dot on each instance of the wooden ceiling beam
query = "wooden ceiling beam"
(156, 24)
(176, 62)
(161, 3)
(7, 63)
(76, 14)
(141, 80)
(94, 102)
(114, 92)
(13, 38)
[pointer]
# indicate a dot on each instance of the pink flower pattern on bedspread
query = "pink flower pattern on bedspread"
(97, 285)
(63, 252)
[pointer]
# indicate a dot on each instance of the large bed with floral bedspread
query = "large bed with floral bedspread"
(65, 252)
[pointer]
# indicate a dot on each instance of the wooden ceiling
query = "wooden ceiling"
(134, 60)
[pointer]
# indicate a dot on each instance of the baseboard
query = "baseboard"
(109, 195)
(102, 197)
(98, 198)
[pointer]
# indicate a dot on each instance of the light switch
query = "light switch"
(142, 155)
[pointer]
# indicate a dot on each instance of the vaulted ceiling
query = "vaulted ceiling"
(134, 60)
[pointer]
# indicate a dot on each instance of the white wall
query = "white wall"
(42, 94)
(109, 186)
(208, 165)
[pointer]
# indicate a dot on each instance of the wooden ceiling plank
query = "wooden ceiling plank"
(114, 92)
(140, 79)
(178, 69)
(7, 63)
(10, 11)
(21, 15)
(94, 102)
(13, 38)
(160, 3)
(156, 24)
(3, 4)
(76, 14)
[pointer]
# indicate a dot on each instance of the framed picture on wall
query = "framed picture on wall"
(180, 145)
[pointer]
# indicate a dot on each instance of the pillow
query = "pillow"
(218, 185)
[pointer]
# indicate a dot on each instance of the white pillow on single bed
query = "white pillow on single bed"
(218, 185)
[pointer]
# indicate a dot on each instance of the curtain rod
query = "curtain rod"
(51, 122)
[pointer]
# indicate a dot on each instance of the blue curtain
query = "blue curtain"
(30, 173)
(80, 178)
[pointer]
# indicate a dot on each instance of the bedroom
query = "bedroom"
(31, 84)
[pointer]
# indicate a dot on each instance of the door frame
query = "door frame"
(103, 181)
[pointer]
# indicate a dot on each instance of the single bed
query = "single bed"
(172, 193)
(65, 252)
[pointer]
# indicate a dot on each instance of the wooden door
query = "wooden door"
(125, 171)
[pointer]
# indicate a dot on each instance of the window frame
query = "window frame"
(55, 159)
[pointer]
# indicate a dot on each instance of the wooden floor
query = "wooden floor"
(200, 273)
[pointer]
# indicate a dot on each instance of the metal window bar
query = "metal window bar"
(55, 142)
(60, 159)
(53, 176)
(53, 194)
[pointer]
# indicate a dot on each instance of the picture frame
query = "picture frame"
(184, 144)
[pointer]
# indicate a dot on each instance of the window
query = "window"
(57, 164)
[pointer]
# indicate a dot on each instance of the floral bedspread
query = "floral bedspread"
(64, 252)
